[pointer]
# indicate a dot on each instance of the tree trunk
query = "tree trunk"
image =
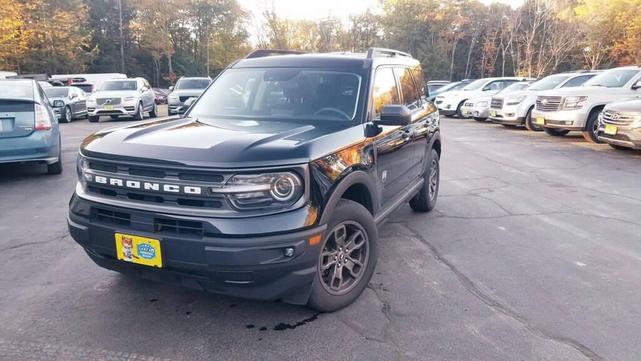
(452, 59)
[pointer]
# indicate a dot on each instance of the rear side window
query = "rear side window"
(408, 88)
(579, 80)
(385, 90)
(419, 79)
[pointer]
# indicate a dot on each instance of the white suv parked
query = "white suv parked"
(562, 110)
(515, 108)
(450, 103)
(131, 97)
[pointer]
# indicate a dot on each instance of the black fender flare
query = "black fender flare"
(354, 177)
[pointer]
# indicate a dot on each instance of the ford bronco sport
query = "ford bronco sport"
(273, 183)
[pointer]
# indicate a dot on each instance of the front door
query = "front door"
(394, 156)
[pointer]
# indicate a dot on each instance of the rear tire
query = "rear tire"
(592, 127)
(55, 168)
(154, 111)
(93, 118)
(529, 124)
(425, 200)
(459, 113)
(352, 225)
(556, 132)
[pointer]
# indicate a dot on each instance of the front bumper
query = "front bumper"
(175, 108)
(562, 119)
(625, 136)
(478, 112)
(121, 109)
(247, 266)
(509, 114)
(39, 146)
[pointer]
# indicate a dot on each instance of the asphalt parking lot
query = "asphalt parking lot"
(533, 253)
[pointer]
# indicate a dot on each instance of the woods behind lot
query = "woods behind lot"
(164, 39)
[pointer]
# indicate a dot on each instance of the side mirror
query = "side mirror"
(73, 96)
(395, 114)
(637, 85)
(171, 88)
(58, 104)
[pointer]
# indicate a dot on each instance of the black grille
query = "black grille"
(497, 103)
(158, 175)
(111, 217)
(548, 104)
(178, 227)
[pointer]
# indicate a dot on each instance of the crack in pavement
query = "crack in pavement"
(505, 310)
(34, 243)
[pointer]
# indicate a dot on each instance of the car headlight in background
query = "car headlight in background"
(267, 190)
(515, 100)
(574, 103)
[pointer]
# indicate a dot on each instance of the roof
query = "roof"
(286, 59)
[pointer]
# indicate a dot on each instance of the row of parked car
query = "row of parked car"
(30, 110)
(604, 105)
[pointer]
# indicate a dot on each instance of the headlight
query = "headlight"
(267, 190)
(129, 99)
(82, 167)
(515, 100)
(481, 104)
(574, 103)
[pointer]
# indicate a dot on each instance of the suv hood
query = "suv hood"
(115, 93)
(596, 91)
(222, 143)
(626, 106)
(187, 92)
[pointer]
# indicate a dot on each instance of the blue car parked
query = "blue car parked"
(28, 127)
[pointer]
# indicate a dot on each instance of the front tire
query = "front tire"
(139, 113)
(556, 132)
(459, 112)
(425, 200)
(529, 124)
(93, 118)
(66, 115)
(347, 258)
(618, 147)
(480, 119)
(592, 128)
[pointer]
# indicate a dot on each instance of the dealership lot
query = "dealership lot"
(533, 253)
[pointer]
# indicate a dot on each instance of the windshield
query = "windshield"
(281, 93)
(515, 87)
(56, 92)
(432, 87)
(549, 82)
(119, 85)
(614, 78)
(192, 83)
(477, 84)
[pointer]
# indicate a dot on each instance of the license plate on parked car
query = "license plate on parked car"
(540, 120)
(139, 250)
(109, 107)
(610, 129)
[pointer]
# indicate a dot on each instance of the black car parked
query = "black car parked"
(273, 183)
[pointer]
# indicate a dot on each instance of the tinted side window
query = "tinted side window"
(579, 80)
(385, 90)
(408, 88)
(419, 78)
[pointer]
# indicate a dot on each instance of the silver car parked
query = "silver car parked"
(130, 97)
(186, 87)
(74, 99)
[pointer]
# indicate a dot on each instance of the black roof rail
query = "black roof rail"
(261, 53)
(371, 52)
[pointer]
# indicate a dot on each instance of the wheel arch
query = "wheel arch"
(357, 186)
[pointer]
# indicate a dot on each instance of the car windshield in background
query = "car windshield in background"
(192, 83)
(477, 84)
(56, 92)
(119, 85)
(281, 93)
(14, 90)
(549, 82)
(515, 87)
(614, 78)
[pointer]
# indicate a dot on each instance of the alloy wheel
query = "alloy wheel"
(67, 114)
(433, 179)
(344, 258)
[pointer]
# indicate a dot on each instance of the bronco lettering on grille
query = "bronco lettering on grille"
(148, 186)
